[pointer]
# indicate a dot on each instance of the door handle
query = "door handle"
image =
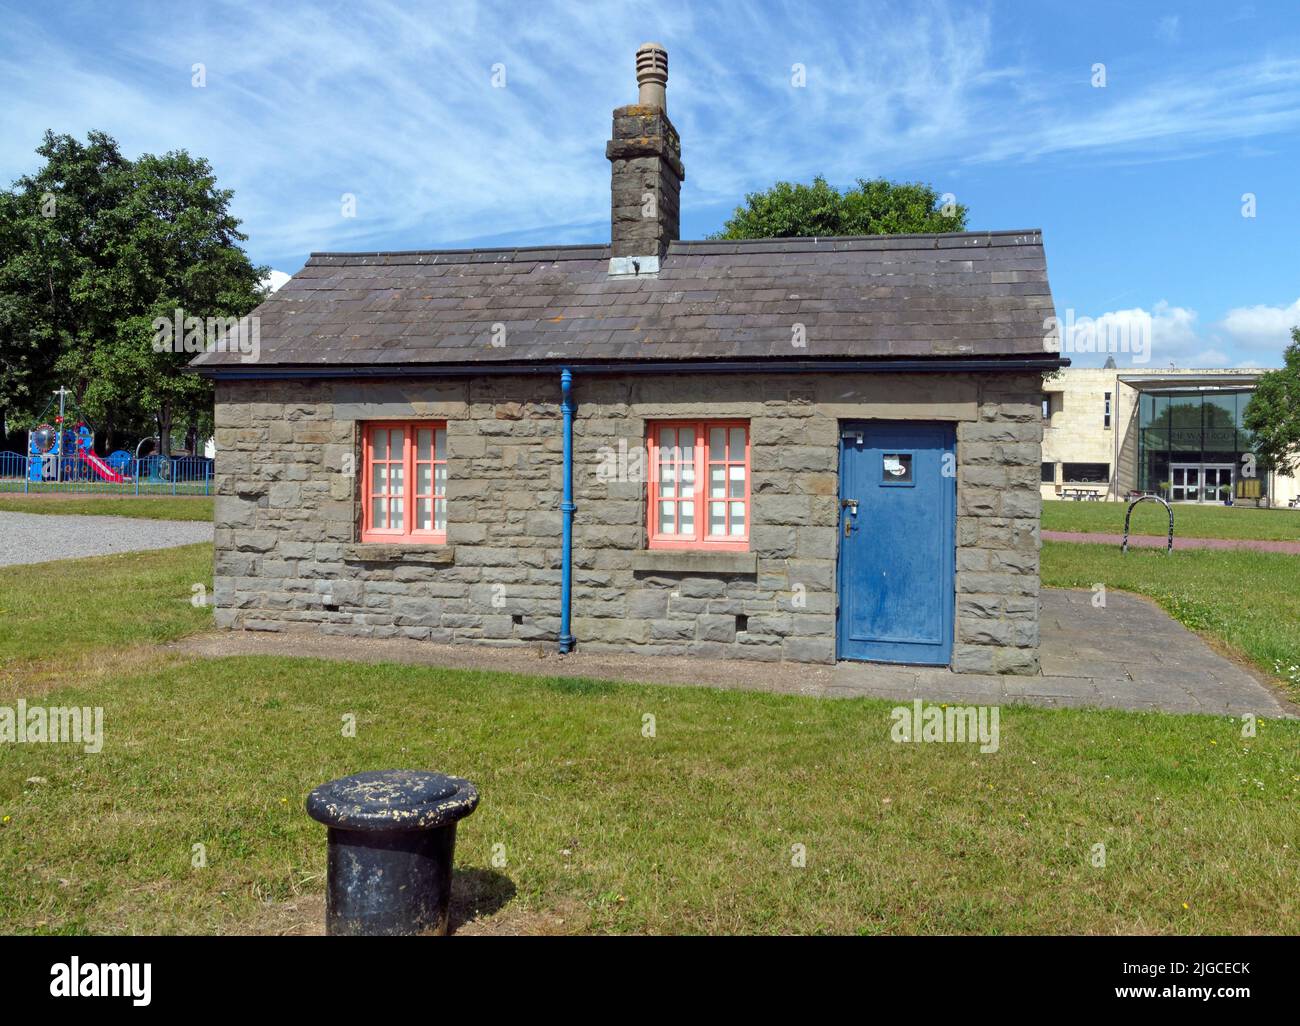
(852, 506)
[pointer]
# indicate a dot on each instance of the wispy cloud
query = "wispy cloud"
(396, 106)
(459, 123)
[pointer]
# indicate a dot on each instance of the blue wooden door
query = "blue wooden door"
(898, 518)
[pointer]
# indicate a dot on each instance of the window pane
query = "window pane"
(396, 515)
(424, 514)
(424, 444)
(379, 443)
(377, 517)
(395, 479)
(688, 480)
(667, 439)
(380, 479)
(440, 444)
(738, 518)
(737, 444)
(423, 478)
(736, 474)
(717, 443)
(667, 480)
(896, 468)
(666, 517)
(686, 439)
(717, 518)
(396, 443)
(440, 478)
(440, 514)
(686, 511)
(717, 481)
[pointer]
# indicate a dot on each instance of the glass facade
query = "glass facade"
(1190, 445)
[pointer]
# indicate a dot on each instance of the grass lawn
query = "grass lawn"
(58, 617)
(1190, 521)
(151, 507)
(1246, 601)
(604, 829)
(691, 831)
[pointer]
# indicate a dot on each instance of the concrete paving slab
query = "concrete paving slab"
(1142, 653)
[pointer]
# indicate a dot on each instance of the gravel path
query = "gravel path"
(40, 537)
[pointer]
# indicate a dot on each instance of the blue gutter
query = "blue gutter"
(566, 512)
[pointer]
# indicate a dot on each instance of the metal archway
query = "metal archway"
(1168, 508)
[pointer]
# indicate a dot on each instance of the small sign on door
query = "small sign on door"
(897, 468)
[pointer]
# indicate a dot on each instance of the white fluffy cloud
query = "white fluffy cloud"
(1246, 336)
(1164, 336)
(1176, 341)
(1262, 329)
(274, 279)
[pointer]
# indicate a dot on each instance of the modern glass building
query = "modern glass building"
(1111, 434)
(1191, 444)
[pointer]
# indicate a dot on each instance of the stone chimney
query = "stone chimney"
(645, 155)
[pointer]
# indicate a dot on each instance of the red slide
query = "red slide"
(100, 467)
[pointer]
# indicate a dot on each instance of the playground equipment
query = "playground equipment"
(1168, 508)
(61, 457)
(59, 453)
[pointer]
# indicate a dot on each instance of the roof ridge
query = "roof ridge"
(809, 243)
(583, 251)
(783, 244)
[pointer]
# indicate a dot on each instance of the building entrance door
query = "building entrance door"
(1185, 482)
(1213, 477)
(1199, 482)
(897, 569)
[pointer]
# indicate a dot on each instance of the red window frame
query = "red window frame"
(701, 464)
(412, 493)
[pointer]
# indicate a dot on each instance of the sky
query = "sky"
(1157, 145)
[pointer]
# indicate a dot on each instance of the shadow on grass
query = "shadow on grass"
(477, 894)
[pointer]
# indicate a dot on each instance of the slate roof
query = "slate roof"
(969, 294)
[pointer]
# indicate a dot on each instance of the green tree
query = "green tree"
(47, 252)
(1273, 413)
(93, 247)
(875, 207)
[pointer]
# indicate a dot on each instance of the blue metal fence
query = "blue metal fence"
(119, 474)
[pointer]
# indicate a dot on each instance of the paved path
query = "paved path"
(1129, 655)
(1154, 541)
(39, 537)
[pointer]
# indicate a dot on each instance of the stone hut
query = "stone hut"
(796, 449)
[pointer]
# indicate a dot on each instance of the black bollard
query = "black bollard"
(392, 840)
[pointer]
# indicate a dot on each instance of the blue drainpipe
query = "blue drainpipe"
(566, 511)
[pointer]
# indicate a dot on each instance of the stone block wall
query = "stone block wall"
(1075, 432)
(288, 513)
